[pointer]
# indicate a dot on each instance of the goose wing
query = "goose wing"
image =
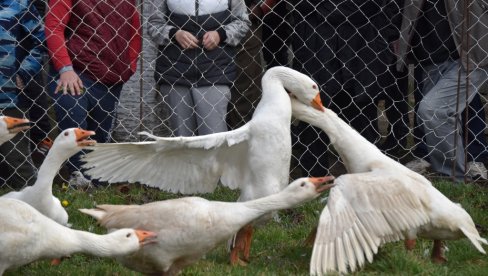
(178, 164)
(363, 211)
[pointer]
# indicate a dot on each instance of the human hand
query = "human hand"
(186, 39)
(70, 82)
(211, 40)
(395, 46)
(19, 82)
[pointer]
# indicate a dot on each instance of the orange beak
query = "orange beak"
(15, 125)
(317, 103)
(146, 237)
(82, 135)
(320, 181)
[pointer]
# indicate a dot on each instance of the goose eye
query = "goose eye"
(128, 235)
(66, 133)
(303, 184)
(314, 86)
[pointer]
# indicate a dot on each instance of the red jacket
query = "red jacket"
(103, 38)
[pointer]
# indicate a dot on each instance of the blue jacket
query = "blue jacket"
(18, 21)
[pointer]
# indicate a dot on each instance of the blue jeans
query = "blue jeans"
(93, 110)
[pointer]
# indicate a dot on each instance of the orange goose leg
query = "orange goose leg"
(438, 253)
(242, 244)
(410, 244)
(56, 261)
(310, 240)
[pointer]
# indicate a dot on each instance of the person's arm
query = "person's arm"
(57, 18)
(163, 32)
(32, 63)
(237, 29)
(135, 44)
(158, 27)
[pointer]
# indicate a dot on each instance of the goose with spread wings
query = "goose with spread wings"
(254, 158)
(379, 201)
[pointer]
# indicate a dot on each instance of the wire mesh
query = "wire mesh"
(410, 76)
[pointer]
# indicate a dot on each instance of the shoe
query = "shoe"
(39, 153)
(418, 165)
(78, 181)
(477, 170)
(44, 146)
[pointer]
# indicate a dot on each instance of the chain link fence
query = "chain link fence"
(377, 63)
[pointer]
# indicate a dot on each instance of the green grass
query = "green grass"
(277, 247)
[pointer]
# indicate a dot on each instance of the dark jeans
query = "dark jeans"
(92, 110)
(34, 99)
(16, 166)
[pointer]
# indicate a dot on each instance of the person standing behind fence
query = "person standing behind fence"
(94, 46)
(448, 57)
(18, 21)
(35, 99)
(337, 44)
(195, 67)
(246, 91)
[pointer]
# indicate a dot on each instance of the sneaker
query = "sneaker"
(477, 170)
(418, 165)
(44, 146)
(78, 181)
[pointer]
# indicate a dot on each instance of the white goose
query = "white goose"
(10, 126)
(380, 201)
(26, 236)
(189, 227)
(40, 195)
(254, 158)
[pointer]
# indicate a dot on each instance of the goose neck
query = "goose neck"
(94, 244)
(271, 203)
(48, 171)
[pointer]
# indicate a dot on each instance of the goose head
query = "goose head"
(307, 188)
(298, 85)
(72, 140)
(10, 126)
(127, 241)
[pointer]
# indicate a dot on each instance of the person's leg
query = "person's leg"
(71, 111)
(477, 145)
(445, 101)
(246, 91)
(311, 143)
(361, 115)
(396, 109)
(17, 166)
(102, 105)
(37, 105)
(420, 150)
(181, 108)
(211, 108)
